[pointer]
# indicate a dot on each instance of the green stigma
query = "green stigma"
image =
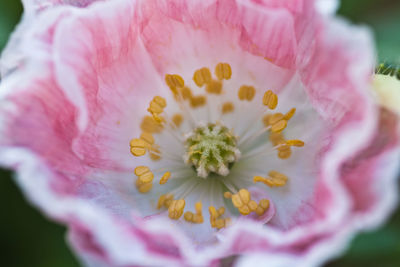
(211, 149)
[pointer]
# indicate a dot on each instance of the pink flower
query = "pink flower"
(196, 132)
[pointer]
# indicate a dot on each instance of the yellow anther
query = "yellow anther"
(237, 202)
(284, 152)
(158, 119)
(161, 201)
(174, 81)
(165, 178)
(252, 205)
(227, 107)
(244, 210)
(270, 99)
(148, 138)
(221, 211)
(165, 201)
(279, 126)
(242, 201)
(143, 187)
(275, 118)
(198, 101)
(246, 92)
(149, 125)
(202, 76)
(214, 87)
(227, 195)
(155, 108)
(221, 223)
(275, 179)
(177, 119)
(197, 217)
(198, 206)
(175, 209)
(290, 114)
(154, 153)
(138, 147)
(266, 120)
(186, 93)
(160, 101)
(223, 71)
(276, 138)
(157, 105)
(144, 174)
(295, 142)
(188, 216)
(262, 207)
(215, 220)
(244, 195)
(213, 212)
(145, 177)
(277, 176)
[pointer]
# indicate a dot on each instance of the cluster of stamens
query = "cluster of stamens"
(211, 148)
(243, 202)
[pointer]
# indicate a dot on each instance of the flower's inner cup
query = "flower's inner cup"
(210, 162)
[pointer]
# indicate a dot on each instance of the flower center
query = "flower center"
(211, 148)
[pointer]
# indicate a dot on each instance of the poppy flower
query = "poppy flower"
(198, 133)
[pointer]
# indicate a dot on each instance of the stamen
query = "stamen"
(270, 99)
(174, 81)
(155, 154)
(215, 220)
(186, 93)
(145, 178)
(263, 206)
(177, 119)
(246, 92)
(276, 138)
(284, 152)
(290, 114)
(138, 147)
(295, 142)
(241, 200)
(271, 119)
(214, 87)
(157, 105)
(143, 187)
(279, 126)
(144, 174)
(275, 179)
(227, 195)
(148, 138)
(202, 76)
(165, 201)
(175, 209)
(227, 107)
(198, 101)
(165, 178)
(149, 125)
(197, 217)
(223, 71)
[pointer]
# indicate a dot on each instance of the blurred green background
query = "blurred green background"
(27, 238)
